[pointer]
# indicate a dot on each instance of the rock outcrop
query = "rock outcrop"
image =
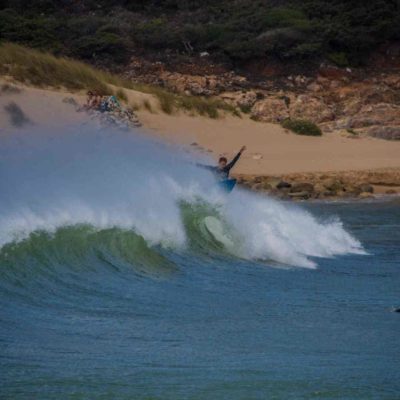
(311, 108)
(273, 110)
(364, 103)
(333, 185)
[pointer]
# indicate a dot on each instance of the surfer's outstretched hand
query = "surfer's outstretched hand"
(242, 149)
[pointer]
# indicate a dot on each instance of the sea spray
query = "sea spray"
(113, 179)
(285, 232)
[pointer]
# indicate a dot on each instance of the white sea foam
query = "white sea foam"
(115, 179)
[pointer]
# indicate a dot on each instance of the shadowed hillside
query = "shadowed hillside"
(232, 32)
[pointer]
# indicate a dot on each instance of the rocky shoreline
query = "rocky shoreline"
(326, 185)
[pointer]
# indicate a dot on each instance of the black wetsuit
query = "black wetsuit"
(223, 173)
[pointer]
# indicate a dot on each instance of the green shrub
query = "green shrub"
(302, 127)
(245, 109)
(352, 132)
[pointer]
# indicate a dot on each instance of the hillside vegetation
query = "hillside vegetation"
(109, 31)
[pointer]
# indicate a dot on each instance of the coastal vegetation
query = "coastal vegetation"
(34, 67)
(110, 32)
(302, 127)
(42, 69)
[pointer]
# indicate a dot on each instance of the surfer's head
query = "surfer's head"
(222, 162)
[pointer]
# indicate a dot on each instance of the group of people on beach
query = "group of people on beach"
(109, 110)
(99, 102)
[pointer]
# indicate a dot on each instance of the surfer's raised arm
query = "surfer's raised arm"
(235, 159)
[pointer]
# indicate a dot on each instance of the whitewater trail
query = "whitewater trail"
(104, 179)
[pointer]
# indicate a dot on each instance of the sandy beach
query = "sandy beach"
(270, 148)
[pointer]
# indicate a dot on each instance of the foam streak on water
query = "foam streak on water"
(124, 180)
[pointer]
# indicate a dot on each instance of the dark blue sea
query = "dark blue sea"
(113, 285)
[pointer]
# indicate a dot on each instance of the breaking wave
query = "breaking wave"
(82, 194)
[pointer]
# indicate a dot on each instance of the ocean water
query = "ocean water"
(113, 286)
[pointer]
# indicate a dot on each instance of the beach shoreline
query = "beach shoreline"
(273, 154)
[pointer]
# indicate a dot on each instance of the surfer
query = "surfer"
(222, 170)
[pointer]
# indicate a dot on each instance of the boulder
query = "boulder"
(283, 195)
(380, 115)
(192, 84)
(332, 185)
(385, 132)
(256, 186)
(365, 195)
(328, 193)
(300, 80)
(380, 94)
(302, 187)
(266, 186)
(300, 195)
(312, 109)
(393, 81)
(283, 185)
(352, 106)
(366, 187)
(270, 110)
(276, 183)
(314, 87)
(345, 194)
(319, 188)
(247, 100)
(352, 191)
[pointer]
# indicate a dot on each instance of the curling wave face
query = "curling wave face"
(138, 201)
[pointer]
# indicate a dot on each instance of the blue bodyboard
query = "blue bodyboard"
(227, 185)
